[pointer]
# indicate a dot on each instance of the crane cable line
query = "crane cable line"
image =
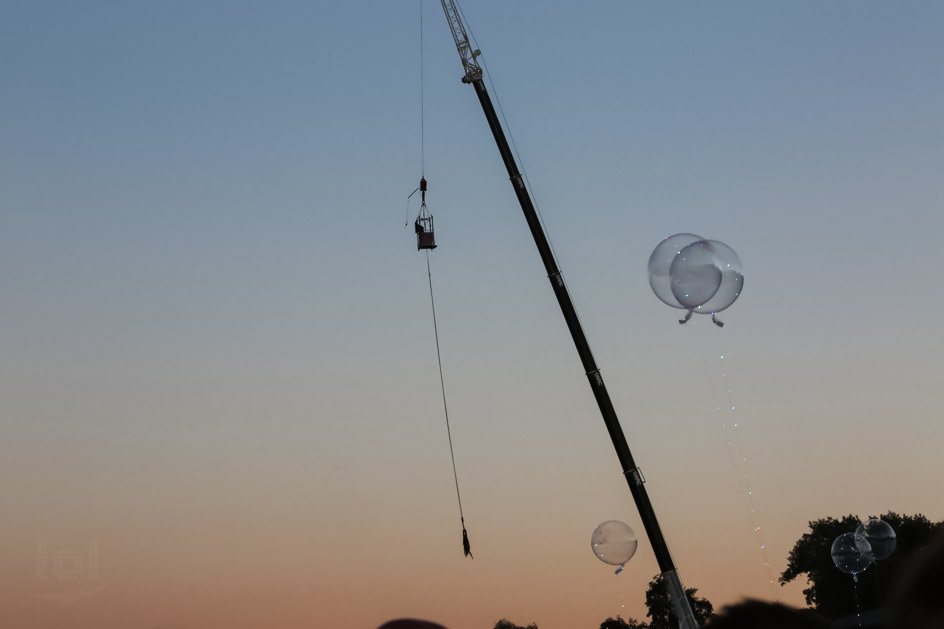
(422, 104)
(487, 76)
(422, 122)
(424, 215)
(511, 136)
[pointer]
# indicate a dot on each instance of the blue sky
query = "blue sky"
(210, 300)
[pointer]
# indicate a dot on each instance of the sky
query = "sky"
(219, 397)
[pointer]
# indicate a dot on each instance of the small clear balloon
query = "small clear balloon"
(851, 553)
(614, 542)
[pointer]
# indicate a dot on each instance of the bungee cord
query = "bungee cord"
(465, 535)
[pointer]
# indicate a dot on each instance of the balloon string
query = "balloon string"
(732, 436)
(855, 595)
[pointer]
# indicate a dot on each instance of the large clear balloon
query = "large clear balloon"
(851, 553)
(695, 275)
(613, 542)
(732, 279)
(661, 261)
(880, 535)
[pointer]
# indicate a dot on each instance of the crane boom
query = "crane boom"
(473, 74)
(466, 53)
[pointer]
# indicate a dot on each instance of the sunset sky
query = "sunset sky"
(219, 398)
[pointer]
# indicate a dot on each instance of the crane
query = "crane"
(473, 74)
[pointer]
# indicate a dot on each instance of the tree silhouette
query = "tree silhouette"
(661, 612)
(621, 623)
(831, 591)
(504, 623)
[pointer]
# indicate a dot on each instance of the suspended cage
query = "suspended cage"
(425, 238)
(425, 235)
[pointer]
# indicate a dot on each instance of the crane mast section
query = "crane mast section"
(466, 53)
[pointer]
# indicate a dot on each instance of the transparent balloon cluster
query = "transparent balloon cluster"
(695, 274)
(873, 540)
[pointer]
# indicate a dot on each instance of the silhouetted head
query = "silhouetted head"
(753, 614)
(410, 623)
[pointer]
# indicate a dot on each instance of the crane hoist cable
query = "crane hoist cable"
(425, 239)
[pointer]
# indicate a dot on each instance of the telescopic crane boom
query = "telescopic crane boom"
(473, 74)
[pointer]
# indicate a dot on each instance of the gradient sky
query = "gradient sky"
(219, 402)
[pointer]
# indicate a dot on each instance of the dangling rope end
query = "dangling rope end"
(407, 220)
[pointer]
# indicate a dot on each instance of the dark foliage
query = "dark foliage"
(623, 623)
(504, 623)
(661, 612)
